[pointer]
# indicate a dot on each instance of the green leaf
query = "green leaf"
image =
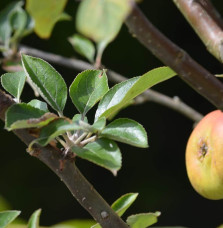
(25, 116)
(142, 220)
(47, 81)
(126, 131)
(99, 125)
(6, 217)
(174, 227)
(34, 219)
(122, 93)
(64, 17)
(101, 20)
(114, 114)
(88, 88)
(77, 223)
(102, 152)
(78, 117)
(54, 129)
(83, 46)
(5, 28)
(18, 21)
(30, 23)
(45, 14)
(39, 104)
(121, 205)
(14, 83)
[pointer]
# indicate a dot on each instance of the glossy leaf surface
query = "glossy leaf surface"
(123, 203)
(102, 152)
(88, 88)
(47, 81)
(119, 95)
(126, 131)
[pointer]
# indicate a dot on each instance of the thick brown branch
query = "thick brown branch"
(210, 9)
(205, 23)
(67, 171)
(170, 54)
(149, 95)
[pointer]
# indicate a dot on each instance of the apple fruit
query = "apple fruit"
(204, 156)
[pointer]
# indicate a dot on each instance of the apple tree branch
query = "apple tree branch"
(173, 56)
(68, 172)
(206, 22)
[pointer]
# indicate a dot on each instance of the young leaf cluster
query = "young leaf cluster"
(15, 24)
(95, 141)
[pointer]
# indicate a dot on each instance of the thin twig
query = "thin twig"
(171, 55)
(205, 23)
(80, 188)
(150, 94)
(80, 138)
(86, 141)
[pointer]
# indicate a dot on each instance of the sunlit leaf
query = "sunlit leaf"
(119, 95)
(14, 83)
(123, 203)
(101, 20)
(6, 217)
(83, 46)
(102, 152)
(34, 219)
(47, 81)
(88, 88)
(142, 220)
(45, 14)
(126, 131)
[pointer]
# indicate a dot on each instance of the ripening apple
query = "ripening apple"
(204, 156)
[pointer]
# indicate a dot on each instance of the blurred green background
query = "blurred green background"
(157, 173)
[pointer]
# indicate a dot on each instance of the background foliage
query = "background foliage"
(157, 173)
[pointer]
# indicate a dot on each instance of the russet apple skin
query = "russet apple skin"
(204, 156)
